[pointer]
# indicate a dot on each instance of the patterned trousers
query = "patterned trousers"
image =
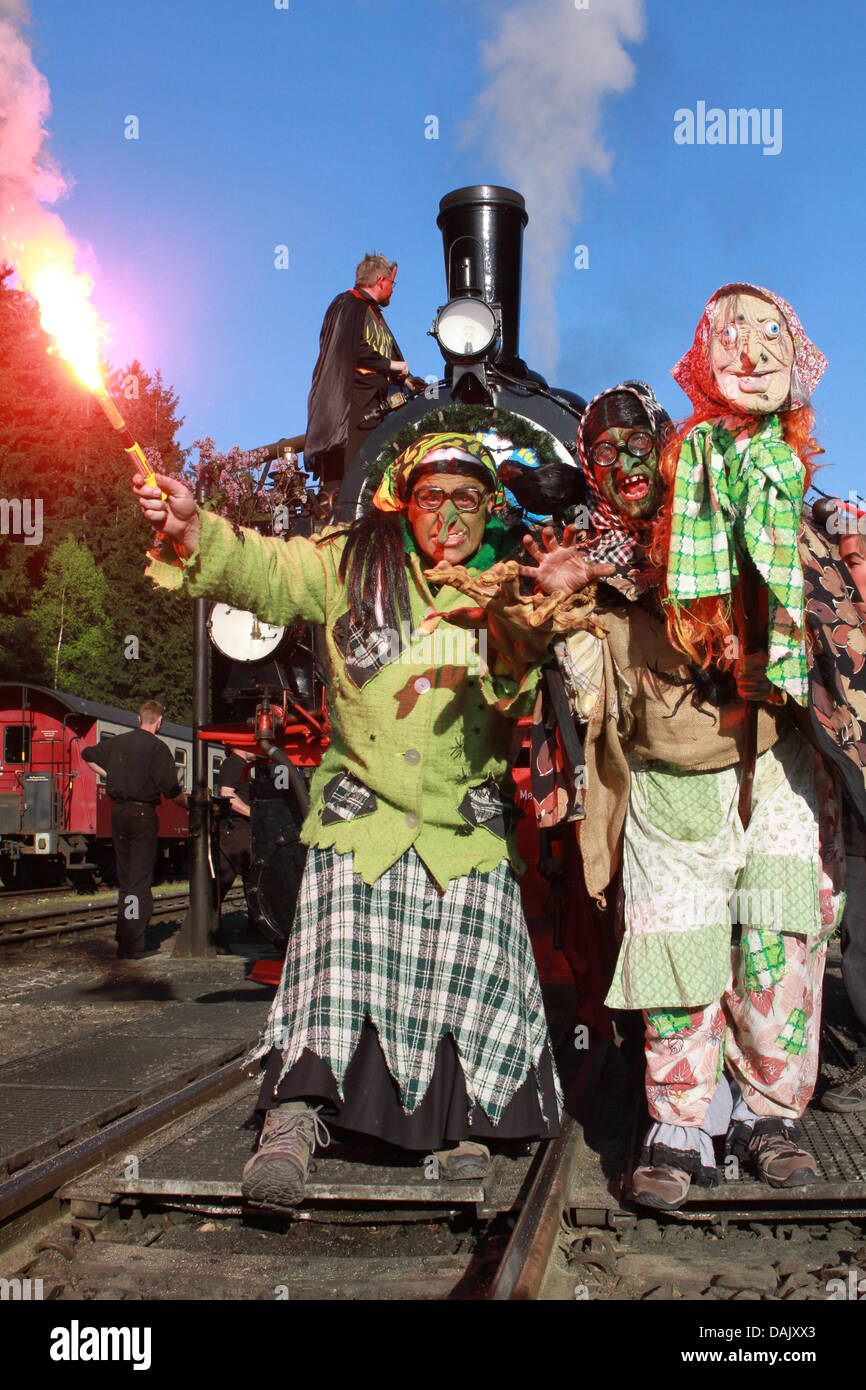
(765, 1027)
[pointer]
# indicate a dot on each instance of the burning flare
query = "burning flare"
(69, 317)
(35, 240)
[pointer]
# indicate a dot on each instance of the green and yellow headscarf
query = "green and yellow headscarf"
(436, 453)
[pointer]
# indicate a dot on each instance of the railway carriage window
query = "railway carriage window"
(180, 764)
(16, 743)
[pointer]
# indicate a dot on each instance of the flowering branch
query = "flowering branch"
(232, 487)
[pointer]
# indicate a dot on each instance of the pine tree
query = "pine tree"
(57, 446)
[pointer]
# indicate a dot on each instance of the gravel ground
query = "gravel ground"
(671, 1260)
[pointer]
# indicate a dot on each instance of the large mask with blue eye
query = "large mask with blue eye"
(751, 354)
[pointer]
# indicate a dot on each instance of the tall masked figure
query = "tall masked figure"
(727, 899)
(732, 855)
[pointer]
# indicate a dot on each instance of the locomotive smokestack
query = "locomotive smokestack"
(483, 225)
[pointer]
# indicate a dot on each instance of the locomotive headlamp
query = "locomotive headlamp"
(466, 328)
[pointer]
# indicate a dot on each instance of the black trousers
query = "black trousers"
(332, 464)
(135, 836)
(234, 856)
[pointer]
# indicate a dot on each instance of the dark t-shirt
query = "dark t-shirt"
(230, 775)
(139, 767)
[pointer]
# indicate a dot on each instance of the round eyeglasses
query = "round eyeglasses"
(638, 444)
(465, 499)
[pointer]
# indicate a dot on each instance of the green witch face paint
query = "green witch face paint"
(449, 534)
(631, 484)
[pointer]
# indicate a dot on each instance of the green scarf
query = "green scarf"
(740, 488)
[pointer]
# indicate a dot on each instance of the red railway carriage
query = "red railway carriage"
(54, 811)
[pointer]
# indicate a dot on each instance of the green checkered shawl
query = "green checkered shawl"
(741, 488)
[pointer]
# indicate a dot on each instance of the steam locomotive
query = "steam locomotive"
(486, 387)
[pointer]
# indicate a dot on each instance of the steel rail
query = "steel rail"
(527, 1255)
(57, 922)
(44, 1179)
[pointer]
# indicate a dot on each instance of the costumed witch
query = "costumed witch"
(730, 811)
(409, 1007)
(610, 504)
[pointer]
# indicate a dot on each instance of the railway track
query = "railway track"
(59, 921)
(23, 895)
(363, 1232)
(150, 1208)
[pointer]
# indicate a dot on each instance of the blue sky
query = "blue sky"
(304, 126)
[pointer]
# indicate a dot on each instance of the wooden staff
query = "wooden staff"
(753, 609)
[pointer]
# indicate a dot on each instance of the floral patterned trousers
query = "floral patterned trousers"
(765, 1027)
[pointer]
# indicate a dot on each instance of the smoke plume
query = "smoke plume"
(550, 65)
(30, 235)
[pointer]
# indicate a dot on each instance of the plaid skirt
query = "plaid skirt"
(420, 964)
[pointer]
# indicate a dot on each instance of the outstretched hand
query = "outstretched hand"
(561, 567)
(169, 507)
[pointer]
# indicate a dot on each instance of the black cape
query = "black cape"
(330, 399)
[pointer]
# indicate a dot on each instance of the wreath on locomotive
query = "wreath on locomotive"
(486, 389)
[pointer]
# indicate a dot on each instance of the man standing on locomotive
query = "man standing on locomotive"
(358, 360)
(409, 1007)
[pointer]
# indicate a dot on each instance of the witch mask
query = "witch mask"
(751, 354)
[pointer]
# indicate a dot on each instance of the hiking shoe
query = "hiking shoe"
(468, 1160)
(277, 1174)
(780, 1163)
(666, 1188)
(850, 1094)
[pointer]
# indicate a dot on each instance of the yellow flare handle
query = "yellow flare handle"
(137, 454)
(134, 450)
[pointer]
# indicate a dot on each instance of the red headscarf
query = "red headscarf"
(694, 373)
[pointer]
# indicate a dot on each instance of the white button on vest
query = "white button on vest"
(411, 820)
(412, 755)
(422, 685)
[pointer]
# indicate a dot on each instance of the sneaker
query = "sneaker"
(780, 1163)
(138, 955)
(467, 1160)
(850, 1094)
(665, 1187)
(277, 1174)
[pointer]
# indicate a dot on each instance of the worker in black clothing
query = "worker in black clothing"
(234, 833)
(138, 769)
(359, 361)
